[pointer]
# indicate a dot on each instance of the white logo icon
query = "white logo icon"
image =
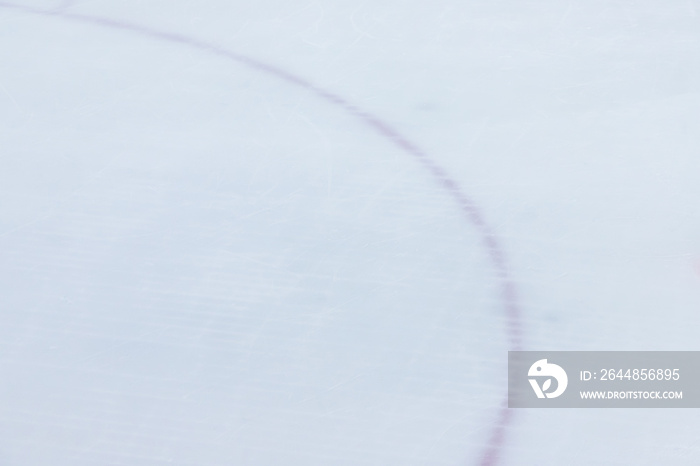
(543, 369)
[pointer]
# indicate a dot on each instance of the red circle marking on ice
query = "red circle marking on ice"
(493, 448)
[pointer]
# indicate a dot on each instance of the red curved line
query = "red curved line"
(491, 454)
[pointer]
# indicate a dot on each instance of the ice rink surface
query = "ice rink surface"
(307, 233)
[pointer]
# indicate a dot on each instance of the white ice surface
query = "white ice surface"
(201, 264)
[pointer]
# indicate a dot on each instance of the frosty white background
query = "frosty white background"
(204, 263)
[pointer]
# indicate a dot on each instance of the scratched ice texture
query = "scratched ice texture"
(204, 262)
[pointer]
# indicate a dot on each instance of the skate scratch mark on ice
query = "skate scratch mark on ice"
(64, 5)
(50, 213)
(435, 442)
(330, 389)
(12, 99)
(492, 451)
